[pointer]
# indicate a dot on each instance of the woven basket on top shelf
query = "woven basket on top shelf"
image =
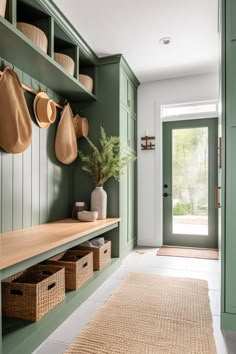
(35, 34)
(101, 255)
(87, 81)
(32, 293)
(66, 62)
(78, 267)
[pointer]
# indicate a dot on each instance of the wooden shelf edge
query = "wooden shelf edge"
(28, 337)
(11, 265)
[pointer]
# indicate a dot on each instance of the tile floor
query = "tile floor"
(147, 262)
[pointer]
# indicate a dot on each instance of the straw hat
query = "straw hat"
(44, 110)
(81, 126)
(15, 120)
(66, 145)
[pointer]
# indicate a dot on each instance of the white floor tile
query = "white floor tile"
(168, 272)
(51, 347)
(76, 322)
(212, 278)
(104, 291)
(153, 261)
(203, 265)
(214, 297)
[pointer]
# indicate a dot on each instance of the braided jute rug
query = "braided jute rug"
(151, 314)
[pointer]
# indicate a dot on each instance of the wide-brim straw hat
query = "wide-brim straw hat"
(66, 144)
(45, 110)
(15, 120)
(81, 126)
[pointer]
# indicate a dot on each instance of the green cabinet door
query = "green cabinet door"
(123, 210)
(131, 133)
(127, 209)
(124, 121)
(123, 88)
(131, 203)
(128, 111)
(132, 96)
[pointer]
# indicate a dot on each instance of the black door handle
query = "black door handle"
(166, 194)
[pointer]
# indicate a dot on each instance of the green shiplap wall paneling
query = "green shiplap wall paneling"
(35, 188)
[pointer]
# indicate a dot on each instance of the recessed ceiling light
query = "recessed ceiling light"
(165, 40)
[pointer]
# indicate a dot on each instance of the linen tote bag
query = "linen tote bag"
(66, 143)
(15, 120)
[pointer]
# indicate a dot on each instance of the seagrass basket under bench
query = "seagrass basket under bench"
(32, 293)
(101, 255)
(78, 267)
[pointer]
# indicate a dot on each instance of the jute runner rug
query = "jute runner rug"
(188, 252)
(151, 314)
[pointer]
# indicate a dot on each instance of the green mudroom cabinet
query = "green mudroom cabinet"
(35, 187)
(116, 110)
(228, 285)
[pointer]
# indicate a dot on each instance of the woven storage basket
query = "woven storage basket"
(32, 293)
(87, 81)
(3, 7)
(66, 62)
(35, 34)
(78, 267)
(101, 255)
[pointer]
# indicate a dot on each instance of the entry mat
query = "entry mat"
(188, 252)
(151, 314)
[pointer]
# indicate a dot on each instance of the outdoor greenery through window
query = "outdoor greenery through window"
(190, 181)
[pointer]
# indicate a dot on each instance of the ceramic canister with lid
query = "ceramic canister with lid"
(79, 206)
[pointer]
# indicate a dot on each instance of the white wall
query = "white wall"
(150, 98)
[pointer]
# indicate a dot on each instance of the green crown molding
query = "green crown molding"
(129, 71)
(119, 59)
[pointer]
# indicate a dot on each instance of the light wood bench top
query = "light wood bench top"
(17, 246)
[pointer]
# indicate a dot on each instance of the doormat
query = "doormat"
(151, 314)
(188, 252)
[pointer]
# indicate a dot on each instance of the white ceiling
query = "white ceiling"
(134, 27)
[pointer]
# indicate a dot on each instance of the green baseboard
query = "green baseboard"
(125, 251)
(228, 321)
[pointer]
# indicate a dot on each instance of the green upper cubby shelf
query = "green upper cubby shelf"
(16, 48)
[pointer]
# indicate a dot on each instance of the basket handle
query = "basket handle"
(51, 286)
(16, 292)
(46, 272)
(85, 264)
(105, 251)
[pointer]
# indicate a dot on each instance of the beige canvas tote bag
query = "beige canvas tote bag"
(66, 143)
(15, 120)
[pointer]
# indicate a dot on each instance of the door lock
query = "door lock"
(166, 194)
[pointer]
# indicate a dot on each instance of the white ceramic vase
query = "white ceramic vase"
(99, 202)
(2, 7)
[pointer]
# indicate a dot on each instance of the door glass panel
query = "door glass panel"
(190, 181)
